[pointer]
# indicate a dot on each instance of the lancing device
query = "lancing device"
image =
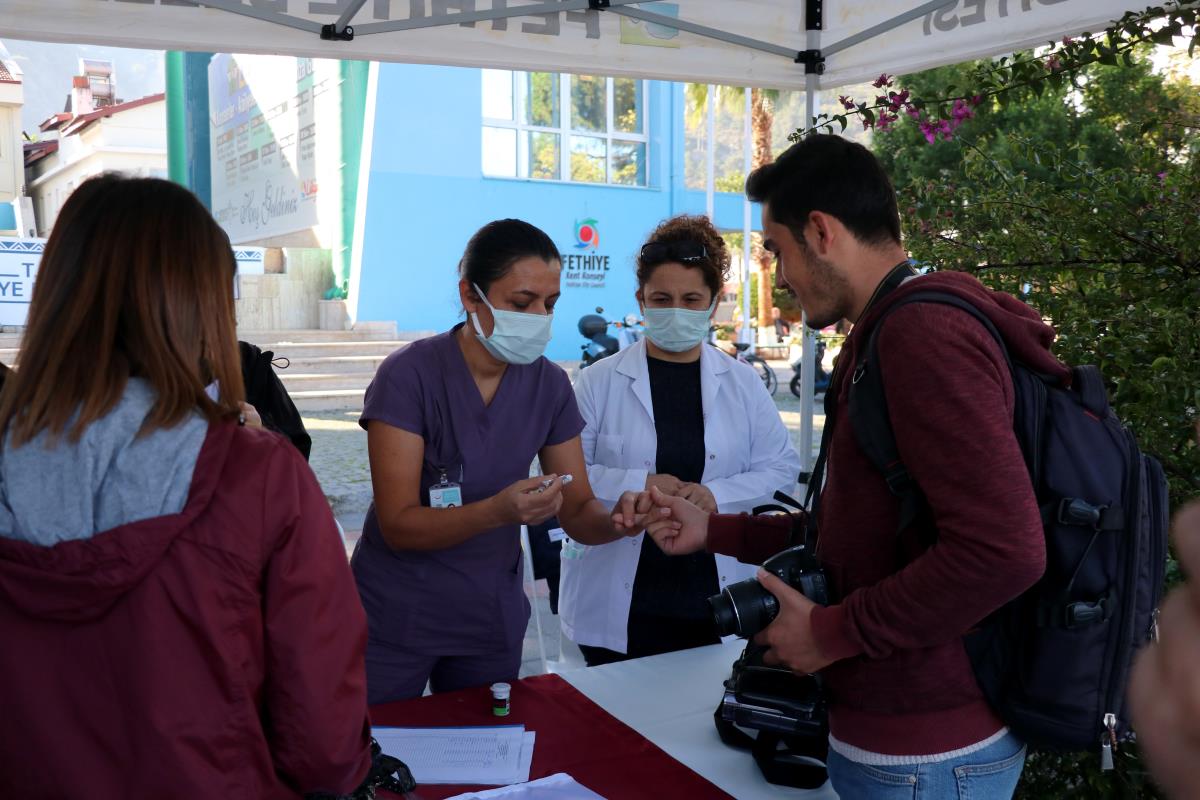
(566, 479)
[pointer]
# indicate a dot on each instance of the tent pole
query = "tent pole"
(886, 25)
(808, 347)
(177, 141)
(705, 31)
(710, 169)
(266, 15)
(747, 164)
(349, 13)
(463, 17)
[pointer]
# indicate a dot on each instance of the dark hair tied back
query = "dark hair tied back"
(495, 247)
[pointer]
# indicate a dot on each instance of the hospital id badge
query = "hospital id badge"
(445, 495)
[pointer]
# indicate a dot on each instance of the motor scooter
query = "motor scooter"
(601, 344)
(821, 378)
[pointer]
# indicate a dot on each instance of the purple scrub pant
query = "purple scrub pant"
(397, 674)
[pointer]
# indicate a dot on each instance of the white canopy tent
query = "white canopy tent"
(782, 44)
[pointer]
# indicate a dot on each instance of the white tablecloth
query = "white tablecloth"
(670, 699)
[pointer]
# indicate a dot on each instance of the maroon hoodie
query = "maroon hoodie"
(902, 683)
(213, 653)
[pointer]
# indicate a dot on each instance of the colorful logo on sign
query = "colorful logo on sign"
(587, 235)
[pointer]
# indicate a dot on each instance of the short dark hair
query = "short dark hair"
(690, 228)
(827, 173)
(495, 247)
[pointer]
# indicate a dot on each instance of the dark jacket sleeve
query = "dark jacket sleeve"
(749, 539)
(315, 692)
(270, 399)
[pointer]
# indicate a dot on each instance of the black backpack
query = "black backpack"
(1054, 663)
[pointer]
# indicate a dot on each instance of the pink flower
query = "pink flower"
(846, 102)
(977, 99)
(867, 124)
(882, 81)
(912, 111)
(930, 130)
(1068, 40)
(1053, 63)
(946, 130)
(898, 99)
(1162, 177)
(961, 111)
(885, 121)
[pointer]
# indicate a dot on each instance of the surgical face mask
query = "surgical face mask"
(678, 329)
(516, 338)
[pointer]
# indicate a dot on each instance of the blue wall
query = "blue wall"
(427, 195)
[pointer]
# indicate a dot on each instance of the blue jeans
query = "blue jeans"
(988, 774)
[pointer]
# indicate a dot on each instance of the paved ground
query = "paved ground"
(339, 459)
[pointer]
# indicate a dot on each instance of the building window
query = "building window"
(579, 128)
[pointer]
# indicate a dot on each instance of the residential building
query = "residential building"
(14, 207)
(97, 132)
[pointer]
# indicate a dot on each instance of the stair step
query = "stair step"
(327, 399)
(315, 381)
(300, 350)
(383, 333)
(331, 365)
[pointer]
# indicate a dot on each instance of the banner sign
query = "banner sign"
(265, 116)
(20, 258)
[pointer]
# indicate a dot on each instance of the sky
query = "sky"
(49, 68)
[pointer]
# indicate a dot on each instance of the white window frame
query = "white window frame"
(564, 131)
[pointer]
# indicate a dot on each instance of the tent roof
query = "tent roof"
(737, 42)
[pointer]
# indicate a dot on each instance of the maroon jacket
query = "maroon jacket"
(214, 653)
(902, 683)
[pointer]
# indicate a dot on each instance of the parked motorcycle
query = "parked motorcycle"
(600, 344)
(821, 378)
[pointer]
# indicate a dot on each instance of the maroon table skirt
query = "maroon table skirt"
(574, 735)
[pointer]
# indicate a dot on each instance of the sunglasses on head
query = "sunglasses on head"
(685, 252)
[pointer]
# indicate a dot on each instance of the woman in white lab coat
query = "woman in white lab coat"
(676, 413)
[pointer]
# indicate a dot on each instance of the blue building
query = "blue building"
(595, 162)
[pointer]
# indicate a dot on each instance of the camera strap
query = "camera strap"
(783, 760)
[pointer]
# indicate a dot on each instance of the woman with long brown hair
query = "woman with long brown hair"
(178, 616)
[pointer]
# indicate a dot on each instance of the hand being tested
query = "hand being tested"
(634, 511)
(789, 637)
(528, 502)
(698, 495)
(680, 527)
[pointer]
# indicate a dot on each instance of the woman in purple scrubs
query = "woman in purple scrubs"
(453, 424)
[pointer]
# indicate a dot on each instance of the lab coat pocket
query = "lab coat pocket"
(609, 449)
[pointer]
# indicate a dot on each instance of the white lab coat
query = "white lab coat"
(748, 457)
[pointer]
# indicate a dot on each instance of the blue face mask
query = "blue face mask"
(677, 330)
(516, 338)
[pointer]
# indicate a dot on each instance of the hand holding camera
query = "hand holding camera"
(789, 639)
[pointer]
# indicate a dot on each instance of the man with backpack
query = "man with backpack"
(910, 573)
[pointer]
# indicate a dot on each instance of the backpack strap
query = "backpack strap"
(1090, 385)
(869, 415)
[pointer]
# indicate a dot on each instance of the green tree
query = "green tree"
(1081, 200)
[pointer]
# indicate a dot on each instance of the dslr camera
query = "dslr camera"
(782, 718)
(745, 608)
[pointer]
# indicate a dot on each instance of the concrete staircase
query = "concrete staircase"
(327, 370)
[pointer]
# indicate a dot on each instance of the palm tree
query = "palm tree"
(762, 117)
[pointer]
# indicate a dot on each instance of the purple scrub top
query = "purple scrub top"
(466, 599)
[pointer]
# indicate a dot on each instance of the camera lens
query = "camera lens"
(743, 609)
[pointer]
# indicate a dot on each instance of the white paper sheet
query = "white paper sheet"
(559, 786)
(490, 756)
